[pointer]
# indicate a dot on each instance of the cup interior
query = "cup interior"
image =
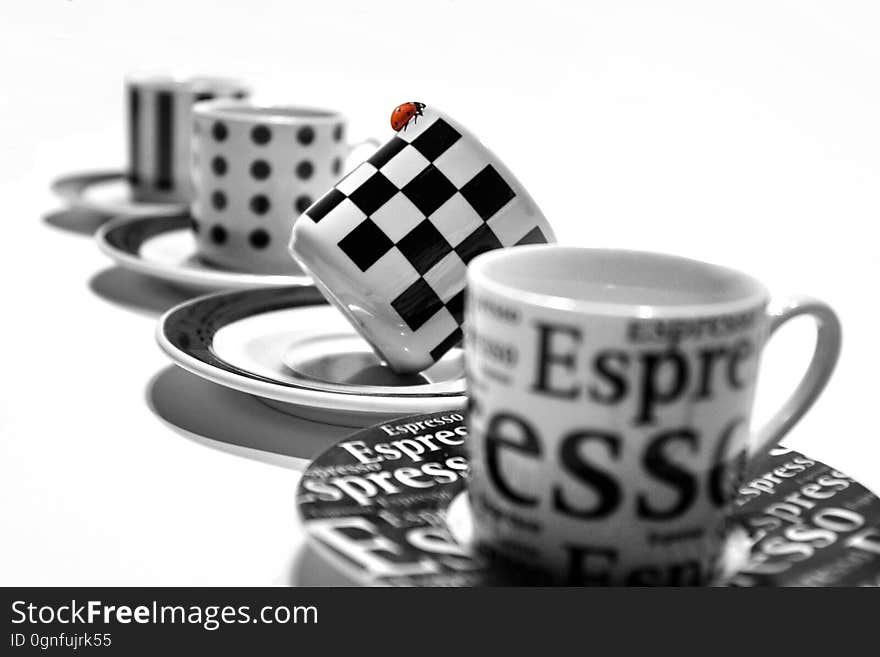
(612, 281)
(248, 113)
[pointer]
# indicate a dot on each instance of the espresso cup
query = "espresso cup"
(389, 243)
(159, 132)
(256, 169)
(610, 395)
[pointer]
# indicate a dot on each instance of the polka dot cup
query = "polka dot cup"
(255, 170)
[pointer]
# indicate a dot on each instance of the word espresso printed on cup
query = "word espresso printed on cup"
(683, 470)
(652, 378)
(610, 397)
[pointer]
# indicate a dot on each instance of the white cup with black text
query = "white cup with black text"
(610, 398)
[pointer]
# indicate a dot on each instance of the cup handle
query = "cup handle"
(370, 141)
(825, 354)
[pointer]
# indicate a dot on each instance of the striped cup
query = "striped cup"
(159, 128)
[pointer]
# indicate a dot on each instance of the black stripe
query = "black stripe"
(204, 95)
(134, 135)
(165, 140)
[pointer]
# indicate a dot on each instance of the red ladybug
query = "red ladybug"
(403, 114)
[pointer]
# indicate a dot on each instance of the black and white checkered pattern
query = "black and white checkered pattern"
(413, 216)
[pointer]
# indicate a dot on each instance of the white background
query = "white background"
(744, 133)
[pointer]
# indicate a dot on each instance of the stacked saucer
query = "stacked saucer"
(254, 169)
(159, 123)
(388, 246)
(200, 154)
(214, 188)
(608, 392)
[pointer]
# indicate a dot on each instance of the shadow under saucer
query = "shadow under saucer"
(236, 422)
(138, 292)
(76, 220)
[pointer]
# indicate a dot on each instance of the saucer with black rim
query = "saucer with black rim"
(164, 247)
(293, 351)
(107, 193)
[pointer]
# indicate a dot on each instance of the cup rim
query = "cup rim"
(246, 111)
(181, 82)
(480, 275)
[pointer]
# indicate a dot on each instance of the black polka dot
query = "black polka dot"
(260, 169)
(337, 166)
(218, 234)
(218, 165)
(218, 200)
(337, 132)
(261, 134)
(305, 135)
(260, 204)
(219, 131)
(259, 239)
(305, 169)
(302, 203)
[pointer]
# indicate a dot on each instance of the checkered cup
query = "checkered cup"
(389, 244)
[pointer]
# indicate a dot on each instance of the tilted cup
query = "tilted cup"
(610, 397)
(159, 113)
(389, 243)
(257, 168)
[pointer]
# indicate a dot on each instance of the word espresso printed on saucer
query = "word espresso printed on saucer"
(810, 525)
(424, 459)
(375, 500)
(375, 504)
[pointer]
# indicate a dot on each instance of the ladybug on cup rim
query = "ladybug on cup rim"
(404, 113)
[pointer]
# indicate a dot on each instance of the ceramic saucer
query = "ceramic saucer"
(407, 521)
(290, 349)
(107, 193)
(163, 247)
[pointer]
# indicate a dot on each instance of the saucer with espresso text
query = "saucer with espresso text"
(293, 351)
(387, 507)
(107, 193)
(163, 247)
